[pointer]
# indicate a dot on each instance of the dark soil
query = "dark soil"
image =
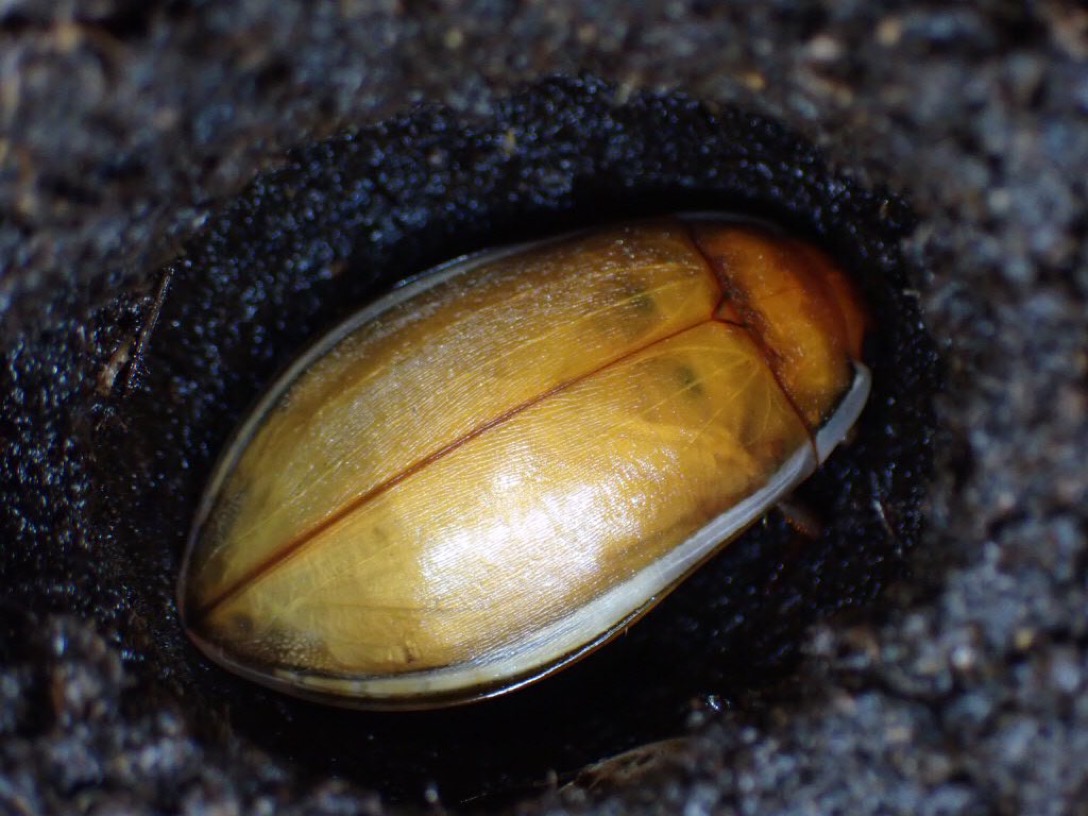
(190, 191)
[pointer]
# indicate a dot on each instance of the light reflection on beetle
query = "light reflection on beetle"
(501, 465)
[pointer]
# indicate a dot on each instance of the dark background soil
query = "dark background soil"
(132, 132)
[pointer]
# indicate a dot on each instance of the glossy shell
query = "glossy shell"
(496, 468)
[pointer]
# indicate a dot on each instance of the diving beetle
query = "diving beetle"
(499, 466)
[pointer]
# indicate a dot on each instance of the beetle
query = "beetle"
(499, 466)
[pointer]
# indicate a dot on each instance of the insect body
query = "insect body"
(496, 468)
